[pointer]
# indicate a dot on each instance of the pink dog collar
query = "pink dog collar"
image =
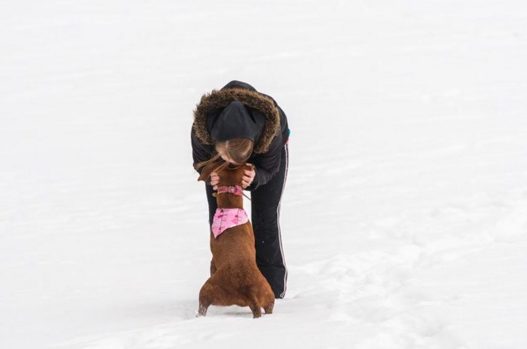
(226, 218)
(233, 189)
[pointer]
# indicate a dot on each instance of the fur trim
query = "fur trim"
(218, 99)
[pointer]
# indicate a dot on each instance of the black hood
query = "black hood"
(239, 84)
(236, 121)
(237, 110)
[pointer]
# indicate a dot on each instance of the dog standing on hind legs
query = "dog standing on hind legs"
(235, 277)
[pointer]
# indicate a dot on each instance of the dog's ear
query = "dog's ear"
(207, 170)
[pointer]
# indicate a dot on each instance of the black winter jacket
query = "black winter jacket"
(221, 115)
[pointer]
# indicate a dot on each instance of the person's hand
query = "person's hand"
(248, 177)
(214, 180)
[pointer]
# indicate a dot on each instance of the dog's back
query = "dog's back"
(236, 279)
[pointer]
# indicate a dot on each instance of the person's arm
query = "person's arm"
(267, 164)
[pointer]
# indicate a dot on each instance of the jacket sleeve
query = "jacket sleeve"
(200, 152)
(267, 164)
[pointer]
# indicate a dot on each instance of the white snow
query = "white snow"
(405, 214)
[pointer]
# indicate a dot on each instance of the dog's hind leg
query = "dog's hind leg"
(213, 292)
(269, 308)
(255, 308)
(202, 309)
(266, 297)
(206, 295)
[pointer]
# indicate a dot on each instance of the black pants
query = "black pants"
(265, 207)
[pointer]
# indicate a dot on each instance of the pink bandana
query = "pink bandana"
(226, 218)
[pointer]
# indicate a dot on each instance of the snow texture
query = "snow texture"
(404, 218)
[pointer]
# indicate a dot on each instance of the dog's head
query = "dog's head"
(229, 174)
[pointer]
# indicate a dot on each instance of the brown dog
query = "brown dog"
(236, 279)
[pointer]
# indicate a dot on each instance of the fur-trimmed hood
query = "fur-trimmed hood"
(244, 93)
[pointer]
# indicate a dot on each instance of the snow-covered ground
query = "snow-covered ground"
(405, 216)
